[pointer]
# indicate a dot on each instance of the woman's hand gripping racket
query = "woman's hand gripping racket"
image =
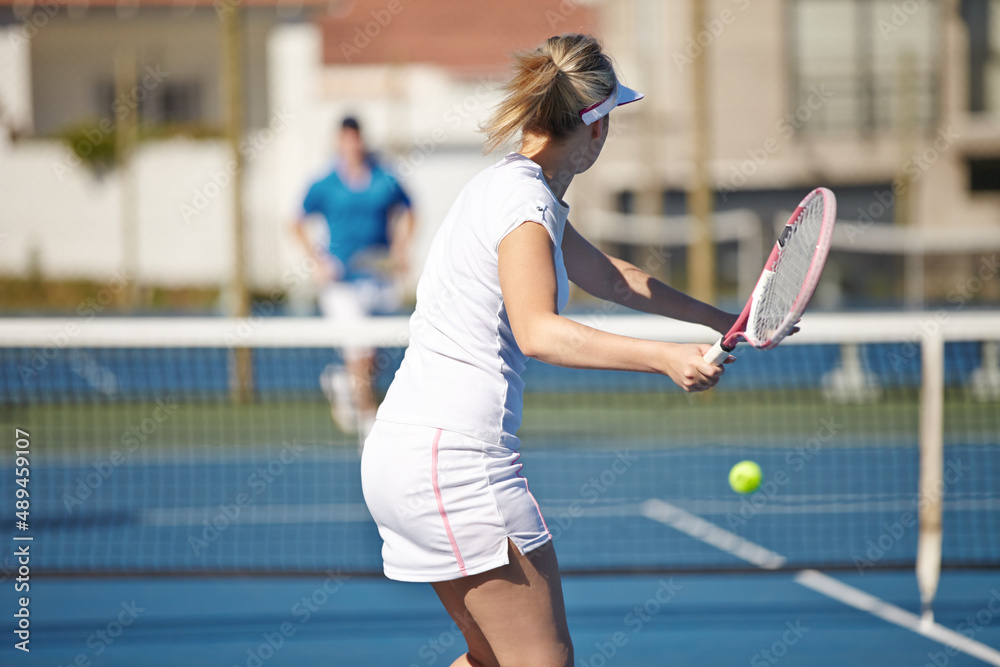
(788, 280)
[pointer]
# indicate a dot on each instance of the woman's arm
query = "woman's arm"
(528, 282)
(618, 281)
(401, 240)
(325, 269)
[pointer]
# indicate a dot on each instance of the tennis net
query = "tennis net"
(183, 446)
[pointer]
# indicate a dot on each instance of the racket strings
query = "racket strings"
(794, 262)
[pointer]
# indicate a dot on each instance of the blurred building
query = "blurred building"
(894, 105)
(419, 76)
(62, 97)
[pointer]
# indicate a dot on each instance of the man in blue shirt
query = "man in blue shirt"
(368, 217)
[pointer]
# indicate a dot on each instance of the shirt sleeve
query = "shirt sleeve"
(528, 210)
(311, 204)
(398, 194)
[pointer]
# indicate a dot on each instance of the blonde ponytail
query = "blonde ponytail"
(549, 88)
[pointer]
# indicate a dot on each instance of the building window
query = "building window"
(868, 65)
(984, 175)
(168, 103)
(180, 102)
(982, 21)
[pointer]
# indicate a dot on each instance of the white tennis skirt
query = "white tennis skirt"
(445, 503)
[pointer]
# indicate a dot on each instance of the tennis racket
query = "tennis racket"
(789, 278)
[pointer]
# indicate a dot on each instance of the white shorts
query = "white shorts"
(445, 503)
(350, 301)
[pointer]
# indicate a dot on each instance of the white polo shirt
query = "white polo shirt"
(462, 369)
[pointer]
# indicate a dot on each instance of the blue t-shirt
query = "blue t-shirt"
(358, 218)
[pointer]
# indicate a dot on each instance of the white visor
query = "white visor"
(621, 95)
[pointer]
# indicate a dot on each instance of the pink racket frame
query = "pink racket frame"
(728, 342)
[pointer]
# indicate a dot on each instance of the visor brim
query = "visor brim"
(622, 95)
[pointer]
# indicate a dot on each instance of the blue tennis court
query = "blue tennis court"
(706, 620)
(298, 508)
(142, 518)
(217, 218)
(174, 523)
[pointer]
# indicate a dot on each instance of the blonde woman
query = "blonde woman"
(440, 469)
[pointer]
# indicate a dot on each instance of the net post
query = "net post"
(126, 137)
(231, 19)
(701, 251)
(931, 490)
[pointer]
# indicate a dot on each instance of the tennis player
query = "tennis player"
(359, 201)
(440, 468)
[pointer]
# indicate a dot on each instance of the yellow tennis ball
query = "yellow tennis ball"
(745, 477)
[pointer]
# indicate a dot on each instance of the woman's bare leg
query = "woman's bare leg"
(480, 654)
(512, 615)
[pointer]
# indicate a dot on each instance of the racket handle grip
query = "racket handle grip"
(718, 354)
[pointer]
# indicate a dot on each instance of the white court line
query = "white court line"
(355, 512)
(327, 513)
(654, 509)
(708, 532)
(855, 507)
(260, 514)
(838, 590)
